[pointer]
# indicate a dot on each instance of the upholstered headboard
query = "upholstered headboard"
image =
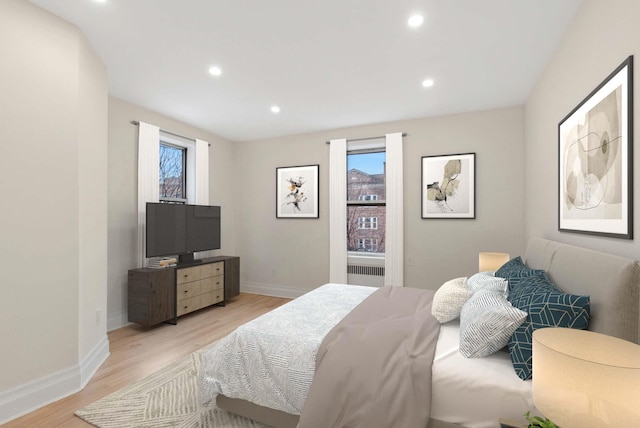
(613, 282)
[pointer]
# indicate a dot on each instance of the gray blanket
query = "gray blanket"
(373, 369)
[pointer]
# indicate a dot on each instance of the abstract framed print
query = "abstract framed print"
(448, 186)
(595, 154)
(297, 191)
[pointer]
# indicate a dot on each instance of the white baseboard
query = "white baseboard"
(25, 398)
(271, 290)
(92, 362)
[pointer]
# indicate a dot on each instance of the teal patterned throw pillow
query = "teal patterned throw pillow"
(515, 270)
(546, 306)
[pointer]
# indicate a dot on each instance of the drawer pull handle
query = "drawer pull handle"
(186, 291)
(186, 307)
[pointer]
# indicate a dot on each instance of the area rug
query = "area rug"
(167, 398)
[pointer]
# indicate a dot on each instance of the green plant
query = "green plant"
(537, 421)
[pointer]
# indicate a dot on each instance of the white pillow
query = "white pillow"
(487, 321)
(486, 281)
(449, 298)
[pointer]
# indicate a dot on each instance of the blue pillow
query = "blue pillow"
(515, 270)
(537, 279)
(546, 306)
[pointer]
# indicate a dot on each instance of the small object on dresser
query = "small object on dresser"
(162, 263)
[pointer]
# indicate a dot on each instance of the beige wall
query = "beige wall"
(122, 199)
(602, 36)
(92, 188)
(292, 255)
(53, 220)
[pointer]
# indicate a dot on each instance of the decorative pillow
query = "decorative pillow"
(449, 298)
(539, 279)
(486, 281)
(515, 270)
(546, 306)
(487, 321)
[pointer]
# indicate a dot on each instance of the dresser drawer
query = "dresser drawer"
(196, 288)
(198, 302)
(196, 273)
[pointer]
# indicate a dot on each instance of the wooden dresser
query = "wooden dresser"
(160, 295)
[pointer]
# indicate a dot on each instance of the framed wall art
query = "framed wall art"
(595, 154)
(297, 191)
(448, 186)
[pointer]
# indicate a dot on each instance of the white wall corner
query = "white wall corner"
(117, 321)
(25, 398)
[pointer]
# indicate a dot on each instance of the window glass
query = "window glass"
(366, 201)
(172, 178)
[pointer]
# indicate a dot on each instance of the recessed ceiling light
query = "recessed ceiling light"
(275, 109)
(215, 71)
(415, 21)
(427, 83)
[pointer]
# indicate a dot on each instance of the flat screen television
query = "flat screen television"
(181, 229)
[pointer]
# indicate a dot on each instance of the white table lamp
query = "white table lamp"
(491, 261)
(586, 379)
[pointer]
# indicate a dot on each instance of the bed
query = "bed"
(469, 392)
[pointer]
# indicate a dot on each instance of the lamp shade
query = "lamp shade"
(491, 261)
(586, 379)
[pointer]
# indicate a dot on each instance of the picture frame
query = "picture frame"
(595, 160)
(297, 191)
(448, 188)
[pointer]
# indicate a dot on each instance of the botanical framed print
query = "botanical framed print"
(449, 186)
(595, 154)
(297, 191)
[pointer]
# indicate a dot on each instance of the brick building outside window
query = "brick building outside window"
(365, 223)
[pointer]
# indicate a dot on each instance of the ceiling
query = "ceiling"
(326, 63)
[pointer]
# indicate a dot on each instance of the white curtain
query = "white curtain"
(202, 182)
(338, 211)
(394, 239)
(202, 172)
(148, 176)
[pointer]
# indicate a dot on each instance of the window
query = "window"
(172, 173)
(177, 167)
(343, 246)
(368, 244)
(368, 223)
(367, 197)
(366, 205)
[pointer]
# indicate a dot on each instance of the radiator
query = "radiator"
(360, 274)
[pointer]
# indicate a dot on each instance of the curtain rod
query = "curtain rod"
(404, 134)
(135, 122)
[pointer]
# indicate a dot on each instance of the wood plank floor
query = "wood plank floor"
(138, 351)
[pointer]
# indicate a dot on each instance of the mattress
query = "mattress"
(475, 392)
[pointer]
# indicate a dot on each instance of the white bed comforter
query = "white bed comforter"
(270, 361)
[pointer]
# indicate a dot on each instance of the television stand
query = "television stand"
(159, 295)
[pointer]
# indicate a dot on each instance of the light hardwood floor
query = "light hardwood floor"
(137, 352)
